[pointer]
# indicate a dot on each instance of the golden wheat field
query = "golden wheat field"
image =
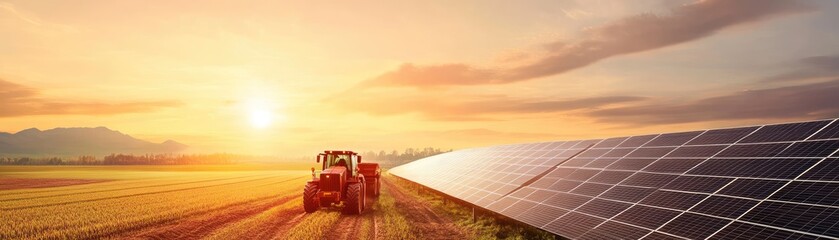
(210, 202)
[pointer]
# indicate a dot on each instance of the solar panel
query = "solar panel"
(776, 181)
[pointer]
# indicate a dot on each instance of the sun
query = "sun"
(261, 114)
(261, 118)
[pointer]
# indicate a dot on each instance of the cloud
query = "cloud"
(17, 100)
(808, 101)
(810, 68)
(633, 34)
(441, 106)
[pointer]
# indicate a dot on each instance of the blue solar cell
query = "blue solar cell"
(696, 151)
(697, 184)
(627, 193)
(811, 149)
(826, 170)
(754, 150)
(631, 163)
(674, 200)
(831, 131)
(648, 180)
(673, 139)
(648, 217)
(618, 152)
(645, 152)
(781, 168)
(694, 226)
(636, 141)
(603, 208)
(573, 225)
(785, 132)
(752, 188)
(591, 189)
(814, 219)
(615, 230)
(724, 206)
(610, 177)
(824, 193)
(722, 136)
(610, 143)
(746, 231)
(672, 165)
(540, 215)
(566, 200)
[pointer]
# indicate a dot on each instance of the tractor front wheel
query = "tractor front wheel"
(311, 202)
(355, 199)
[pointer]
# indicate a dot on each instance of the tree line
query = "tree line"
(130, 159)
(385, 159)
(395, 158)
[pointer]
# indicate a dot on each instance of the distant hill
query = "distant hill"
(79, 141)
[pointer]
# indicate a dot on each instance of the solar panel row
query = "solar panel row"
(761, 182)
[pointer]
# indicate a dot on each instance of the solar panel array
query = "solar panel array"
(761, 182)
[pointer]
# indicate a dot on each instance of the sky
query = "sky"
(298, 77)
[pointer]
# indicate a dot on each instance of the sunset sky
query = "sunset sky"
(297, 77)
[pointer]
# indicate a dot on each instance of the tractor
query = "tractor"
(344, 178)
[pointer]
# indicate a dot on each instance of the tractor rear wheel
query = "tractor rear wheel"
(355, 199)
(373, 187)
(363, 196)
(311, 202)
(377, 188)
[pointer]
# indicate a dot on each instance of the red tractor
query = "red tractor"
(344, 178)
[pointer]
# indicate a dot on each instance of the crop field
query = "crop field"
(209, 202)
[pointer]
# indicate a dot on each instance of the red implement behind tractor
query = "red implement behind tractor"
(344, 179)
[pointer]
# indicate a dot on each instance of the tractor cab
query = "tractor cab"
(347, 159)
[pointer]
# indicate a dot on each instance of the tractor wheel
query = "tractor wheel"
(311, 202)
(363, 197)
(378, 187)
(354, 199)
(373, 187)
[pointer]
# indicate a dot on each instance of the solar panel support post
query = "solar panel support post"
(474, 215)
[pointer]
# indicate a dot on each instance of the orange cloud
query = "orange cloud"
(17, 100)
(442, 106)
(633, 34)
(808, 101)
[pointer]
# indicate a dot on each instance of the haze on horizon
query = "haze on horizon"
(295, 77)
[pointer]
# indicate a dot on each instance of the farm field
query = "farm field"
(205, 202)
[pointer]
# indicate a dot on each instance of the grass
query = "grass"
(397, 225)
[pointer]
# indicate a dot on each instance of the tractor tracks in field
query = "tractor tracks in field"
(205, 223)
(347, 227)
(280, 224)
(426, 223)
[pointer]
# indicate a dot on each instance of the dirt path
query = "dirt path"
(425, 222)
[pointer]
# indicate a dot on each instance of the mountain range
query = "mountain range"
(79, 141)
